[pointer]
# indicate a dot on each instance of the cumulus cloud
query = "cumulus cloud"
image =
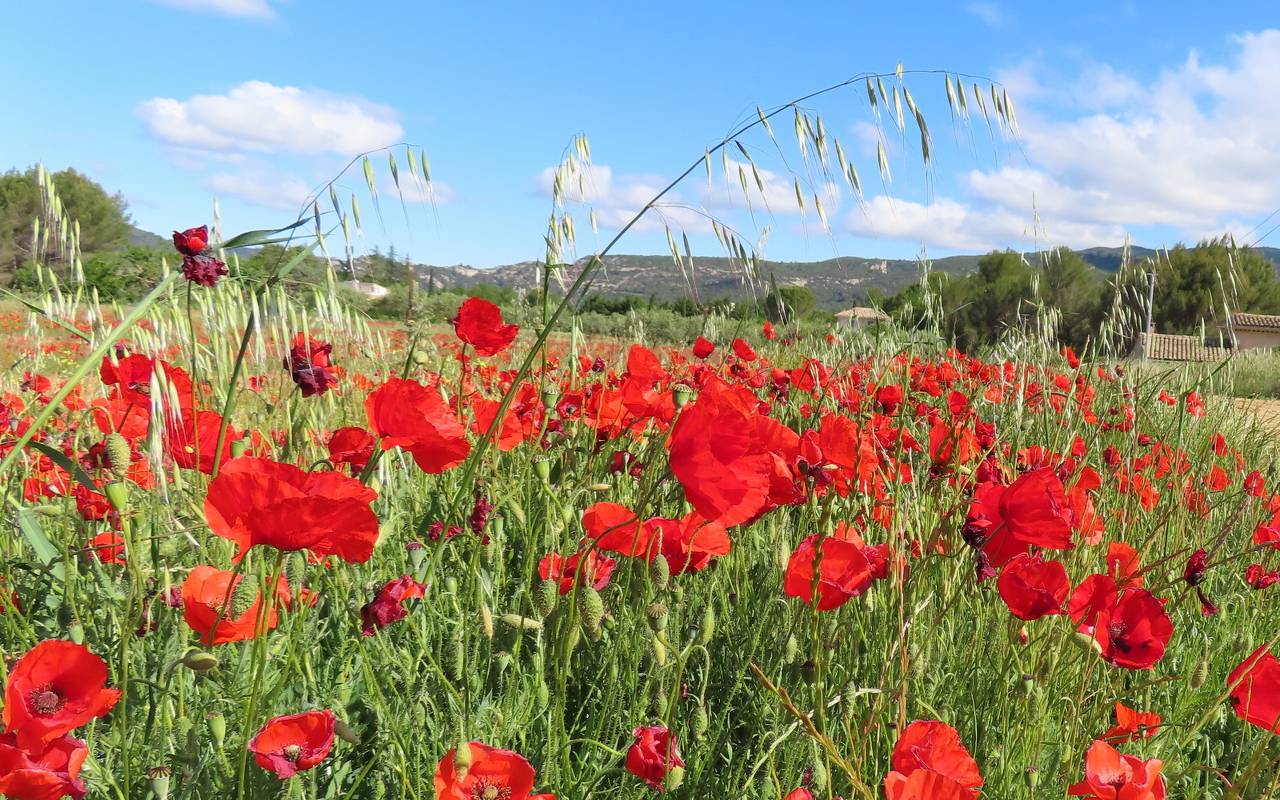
(252, 9)
(617, 198)
(262, 188)
(257, 116)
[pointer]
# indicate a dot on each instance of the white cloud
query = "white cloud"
(261, 117)
(252, 9)
(412, 191)
(616, 199)
(261, 188)
(990, 14)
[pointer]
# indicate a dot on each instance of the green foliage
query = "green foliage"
(104, 223)
(789, 302)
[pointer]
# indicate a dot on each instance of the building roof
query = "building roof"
(1255, 322)
(1172, 347)
(862, 312)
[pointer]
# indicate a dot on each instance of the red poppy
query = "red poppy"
(688, 543)
(1134, 631)
(479, 324)
(767, 331)
(616, 528)
(923, 785)
(409, 415)
(308, 364)
(53, 689)
(257, 501)
(1258, 578)
(1033, 588)
(1035, 510)
(209, 593)
(352, 446)
(130, 380)
(192, 241)
(1255, 690)
(192, 439)
(799, 793)
(108, 547)
(594, 572)
(889, 398)
(933, 746)
(702, 348)
(733, 462)
(51, 773)
(491, 772)
(743, 350)
(1109, 775)
(843, 572)
(1131, 724)
(290, 744)
(653, 755)
(388, 606)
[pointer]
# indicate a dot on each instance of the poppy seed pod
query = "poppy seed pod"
(656, 616)
(549, 397)
(681, 394)
(542, 468)
(217, 727)
(159, 777)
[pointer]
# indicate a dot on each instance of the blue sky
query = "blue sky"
(1155, 120)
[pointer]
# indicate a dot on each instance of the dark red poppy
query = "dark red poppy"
(388, 606)
(409, 415)
(490, 772)
(192, 241)
(352, 446)
(203, 270)
(1109, 775)
(47, 774)
(933, 746)
(1255, 689)
(257, 501)
(209, 597)
(1131, 725)
(308, 364)
(843, 573)
(595, 571)
(653, 755)
(479, 324)
(1033, 588)
(291, 744)
(1258, 578)
(53, 689)
(1134, 632)
(702, 348)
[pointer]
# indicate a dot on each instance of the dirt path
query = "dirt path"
(1267, 412)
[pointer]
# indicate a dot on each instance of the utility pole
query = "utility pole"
(1151, 300)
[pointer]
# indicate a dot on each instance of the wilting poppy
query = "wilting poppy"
(594, 572)
(479, 324)
(209, 597)
(290, 744)
(1109, 775)
(388, 606)
(1255, 690)
(308, 365)
(203, 270)
(653, 755)
(48, 773)
(933, 746)
(53, 689)
(192, 241)
(1033, 588)
(409, 415)
(843, 572)
(1131, 724)
(1134, 631)
(257, 501)
(490, 772)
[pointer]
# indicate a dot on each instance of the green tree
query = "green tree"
(786, 303)
(1198, 284)
(103, 217)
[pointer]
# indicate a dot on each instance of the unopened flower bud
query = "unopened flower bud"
(462, 760)
(345, 732)
(591, 609)
(544, 600)
(200, 661)
(119, 456)
(521, 623)
(660, 572)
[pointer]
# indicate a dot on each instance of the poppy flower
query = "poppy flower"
(732, 461)
(308, 364)
(594, 572)
(479, 324)
(1131, 724)
(843, 572)
(290, 744)
(409, 415)
(1255, 690)
(203, 270)
(702, 348)
(889, 398)
(799, 793)
(50, 773)
(257, 501)
(192, 241)
(1035, 510)
(1109, 775)
(1258, 578)
(1033, 588)
(491, 773)
(933, 746)
(743, 350)
(352, 446)
(53, 689)
(653, 755)
(923, 785)
(767, 331)
(388, 606)
(192, 439)
(616, 528)
(209, 593)
(688, 543)
(1134, 632)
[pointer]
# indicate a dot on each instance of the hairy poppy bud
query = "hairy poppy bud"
(659, 652)
(345, 732)
(708, 628)
(521, 623)
(462, 760)
(791, 650)
(295, 570)
(600, 487)
(544, 600)
(243, 596)
(701, 722)
(486, 620)
(656, 616)
(459, 653)
(660, 572)
(1200, 674)
(200, 661)
(118, 455)
(1087, 642)
(75, 631)
(675, 777)
(591, 609)
(544, 695)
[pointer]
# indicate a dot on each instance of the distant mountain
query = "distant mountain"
(837, 283)
(140, 238)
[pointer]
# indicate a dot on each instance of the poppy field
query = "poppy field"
(261, 548)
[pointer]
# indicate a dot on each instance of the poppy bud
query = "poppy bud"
(660, 572)
(218, 727)
(681, 393)
(459, 656)
(520, 623)
(656, 616)
(675, 777)
(659, 652)
(701, 722)
(199, 661)
(295, 570)
(243, 596)
(118, 456)
(345, 732)
(791, 650)
(591, 608)
(75, 631)
(659, 699)
(1087, 642)
(159, 782)
(462, 760)
(544, 600)
(708, 628)
(486, 620)
(544, 695)
(1200, 674)
(600, 487)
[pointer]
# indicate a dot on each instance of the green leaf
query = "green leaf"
(47, 555)
(253, 238)
(75, 470)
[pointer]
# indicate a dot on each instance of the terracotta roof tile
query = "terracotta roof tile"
(1170, 347)
(1265, 322)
